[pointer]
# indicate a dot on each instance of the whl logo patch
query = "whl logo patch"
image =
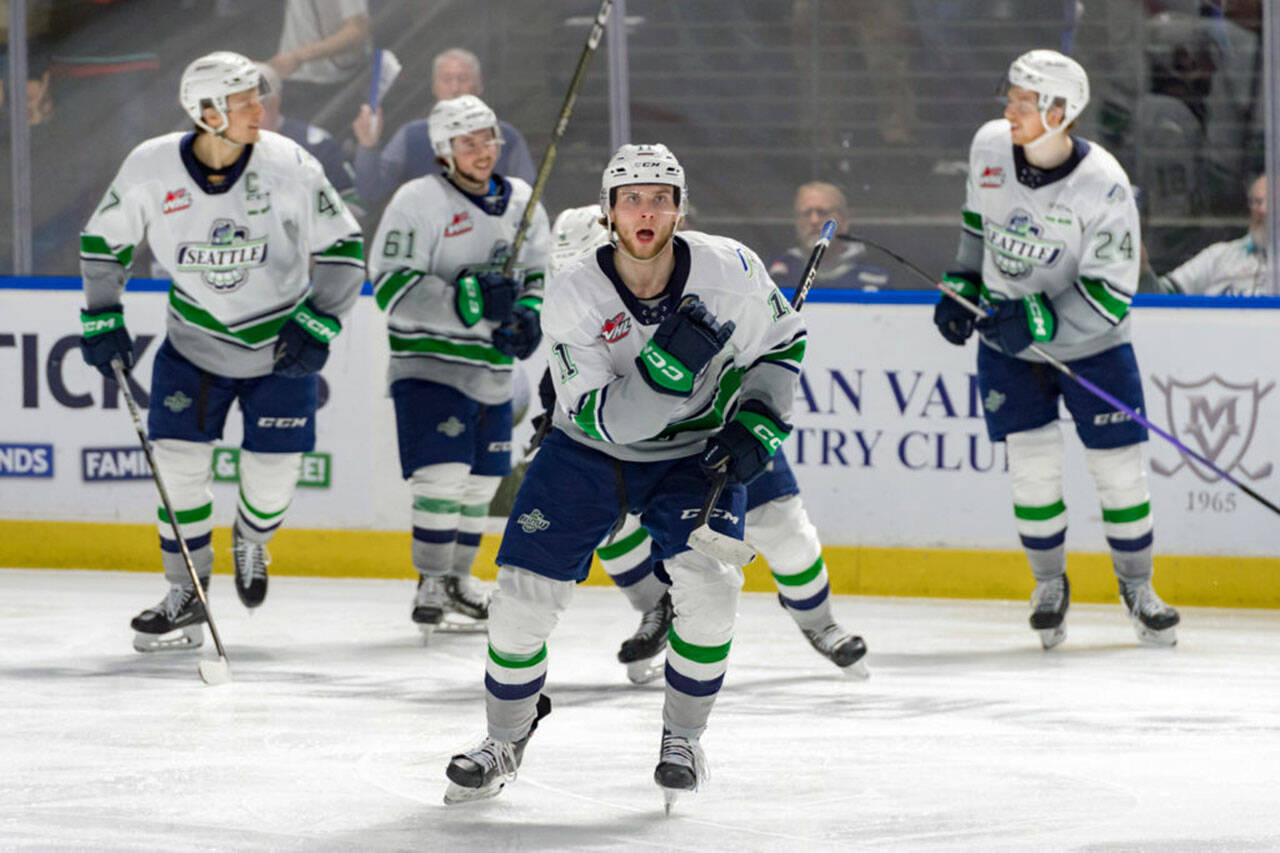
(1215, 418)
(225, 261)
(616, 328)
(991, 177)
(460, 225)
(533, 521)
(175, 200)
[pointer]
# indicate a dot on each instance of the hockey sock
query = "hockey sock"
(787, 539)
(267, 482)
(1035, 465)
(438, 491)
(1122, 488)
(628, 561)
(472, 511)
(185, 467)
(705, 598)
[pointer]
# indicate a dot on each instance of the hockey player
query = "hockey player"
(776, 525)
(673, 355)
(456, 325)
(237, 214)
(1051, 243)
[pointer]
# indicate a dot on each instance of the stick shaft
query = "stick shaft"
(562, 122)
(123, 381)
(811, 266)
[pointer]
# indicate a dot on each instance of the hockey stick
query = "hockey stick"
(978, 311)
(548, 158)
(703, 539)
(211, 671)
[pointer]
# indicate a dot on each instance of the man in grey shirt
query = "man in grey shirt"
(409, 154)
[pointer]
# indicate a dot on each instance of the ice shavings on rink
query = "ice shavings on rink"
(336, 728)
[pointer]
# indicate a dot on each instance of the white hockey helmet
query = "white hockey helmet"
(642, 164)
(455, 117)
(576, 230)
(1052, 76)
(207, 82)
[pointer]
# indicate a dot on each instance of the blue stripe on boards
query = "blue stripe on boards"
(692, 686)
(513, 691)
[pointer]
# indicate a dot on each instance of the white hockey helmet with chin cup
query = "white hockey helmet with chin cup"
(457, 117)
(1052, 75)
(575, 231)
(642, 164)
(207, 82)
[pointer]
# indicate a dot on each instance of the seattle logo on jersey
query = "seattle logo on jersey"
(616, 327)
(1021, 245)
(226, 259)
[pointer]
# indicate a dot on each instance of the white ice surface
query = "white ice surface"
(336, 728)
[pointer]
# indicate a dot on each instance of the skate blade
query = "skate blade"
(178, 640)
(455, 793)
(426, 630)
(717, 546)
(669, 796)
(457, 623)
(214, 672)
(644, 671)
(1161, 638)
(857, 671)
(1050, 637)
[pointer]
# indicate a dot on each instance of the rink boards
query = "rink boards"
(890, 449)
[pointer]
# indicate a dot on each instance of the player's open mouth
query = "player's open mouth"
(645, 235)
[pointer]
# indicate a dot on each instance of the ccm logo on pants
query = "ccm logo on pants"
(281, 423)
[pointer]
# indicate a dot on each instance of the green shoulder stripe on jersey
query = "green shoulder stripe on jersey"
(515, 663)
(730, 384)
(258, 333)
(1110, 302)
(1039, 513)
(534, 302)
(97, 249)
(1126, 514)
(694, 652)
(98, 324)
(187, 516)
(437, 346)
(624, 545)
(795, 353)
(348, 247)
(972, 221)
(665, 370)
(393, 284)
(588, 417)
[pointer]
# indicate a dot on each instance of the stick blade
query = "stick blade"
(214, 672)
(717, 546)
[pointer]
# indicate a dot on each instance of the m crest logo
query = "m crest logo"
(1217, 419)
(224, 262)
(452, 427)
(993, 401)
(533, 521)
(177, 402)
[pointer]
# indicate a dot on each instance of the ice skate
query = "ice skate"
(640, 652)
(466, 606)
(1154, 621)
(251, 560)
(483, 772)
(1049, 604)
(682, 766)
(840, 647)
(429, 604)
(173, 624)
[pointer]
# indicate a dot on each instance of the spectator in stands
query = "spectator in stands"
(324, 44)
(1233, 267)
(843, 266)
(408, 155)
(315, 139)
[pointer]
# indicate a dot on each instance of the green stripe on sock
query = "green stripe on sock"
(623, 545)
(512, 663)
(265, 516)
(475, 510)
(801, 578)
(187, 516)
(436, 505)
(1039, 513)
(698, 654)
(1125, 514)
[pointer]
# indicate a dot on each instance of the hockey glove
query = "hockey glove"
(521, 336)
(105, 338)
(487, 295)
(302, 347)
(684, 343)
(953, 320)
(1018, 323)
(744, 446)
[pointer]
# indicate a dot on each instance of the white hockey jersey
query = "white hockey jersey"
(1231, 268)
(430, 234)
(240, 259)
(1070, 233)
(597, 329)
